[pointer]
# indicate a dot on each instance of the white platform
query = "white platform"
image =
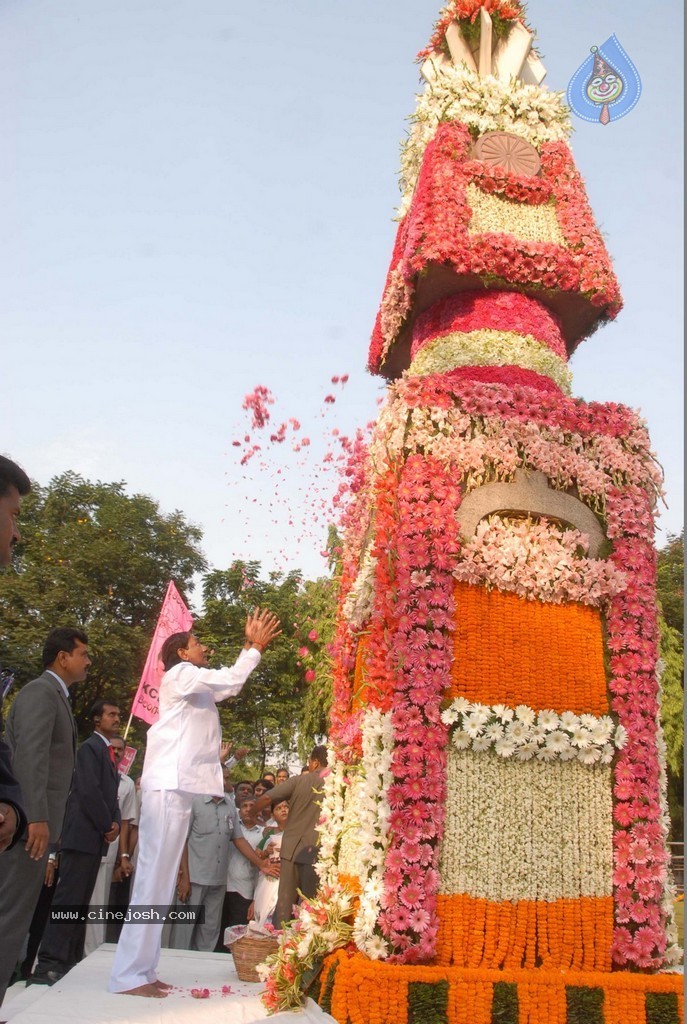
(82, 997)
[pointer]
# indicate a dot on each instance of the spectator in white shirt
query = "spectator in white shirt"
(242, 874)
(182, 760)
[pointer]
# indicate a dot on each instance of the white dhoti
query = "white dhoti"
(165, 816)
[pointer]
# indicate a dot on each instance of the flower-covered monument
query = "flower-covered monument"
(496, 800)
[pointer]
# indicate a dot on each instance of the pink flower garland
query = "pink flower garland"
(436, 230)
(640, 853)
(491, 310)
(426, 548)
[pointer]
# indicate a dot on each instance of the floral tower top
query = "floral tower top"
(491, 195)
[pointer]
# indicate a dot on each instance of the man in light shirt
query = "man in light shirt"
(182, 760)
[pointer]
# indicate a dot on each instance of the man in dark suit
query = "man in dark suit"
(14, 485)
(41, 734)
(91, 821)
(299, 843)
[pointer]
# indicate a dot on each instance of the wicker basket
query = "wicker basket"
(250, 951)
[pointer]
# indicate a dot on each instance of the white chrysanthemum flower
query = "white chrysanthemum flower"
(517, 732)
(602, 730)
(567, 755)
(494, 732)
(473, 726)
(525, 714)
(376, 947)
(462, 705)
(581, 738)
(526, 751)
(537, 733)
(607, 754)
(569, 720)
(557, 742)
(503, 713)
(480, 744)
(449, 716)
(588, 721)
(546, 754)
(620, 736)
(548, 720)
(504, 748)
(461, 739)
(589, 756)
(481, 713)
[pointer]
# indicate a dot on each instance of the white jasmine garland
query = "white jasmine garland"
(331, 823)
(373, 814)
(524, 733)
(517, 829)
(359, 603)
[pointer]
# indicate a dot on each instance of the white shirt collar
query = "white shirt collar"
(62, 683)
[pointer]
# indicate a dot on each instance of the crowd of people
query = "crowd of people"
(87, 856)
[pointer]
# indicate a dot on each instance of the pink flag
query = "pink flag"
(174, 618)
(126, 760)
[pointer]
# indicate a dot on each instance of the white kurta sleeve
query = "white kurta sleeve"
(221, 682)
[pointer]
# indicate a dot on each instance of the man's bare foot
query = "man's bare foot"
(162, 985)
(150, 991)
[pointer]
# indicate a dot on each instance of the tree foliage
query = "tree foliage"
(670, 591)
(95, 557)
(317, 629)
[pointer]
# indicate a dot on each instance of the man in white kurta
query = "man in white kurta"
(182, 760)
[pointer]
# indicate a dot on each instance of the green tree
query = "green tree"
(95, 557)
(265, 715)
(318, 620)
(670, 591)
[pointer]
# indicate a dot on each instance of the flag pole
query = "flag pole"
(128, 726)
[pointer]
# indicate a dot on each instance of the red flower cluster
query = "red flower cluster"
(490, 310)
(520, 187)
(468, 11)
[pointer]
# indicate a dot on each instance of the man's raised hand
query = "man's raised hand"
(261, 628)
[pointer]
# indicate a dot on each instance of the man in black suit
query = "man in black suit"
(14, 485)
(91, 821)
(41, 734)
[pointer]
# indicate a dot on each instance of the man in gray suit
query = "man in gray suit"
(14, 485)
(299, 843)
(41, 734)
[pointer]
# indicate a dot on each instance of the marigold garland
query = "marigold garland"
(371, 992)
(566, 933)
(512, 651)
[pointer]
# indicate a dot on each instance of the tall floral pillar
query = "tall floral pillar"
(496, 794)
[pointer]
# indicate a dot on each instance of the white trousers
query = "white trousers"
(163, 827)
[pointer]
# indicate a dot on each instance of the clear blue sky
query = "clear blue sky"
(197, 198)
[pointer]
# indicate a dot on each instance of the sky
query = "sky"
(197, 199)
